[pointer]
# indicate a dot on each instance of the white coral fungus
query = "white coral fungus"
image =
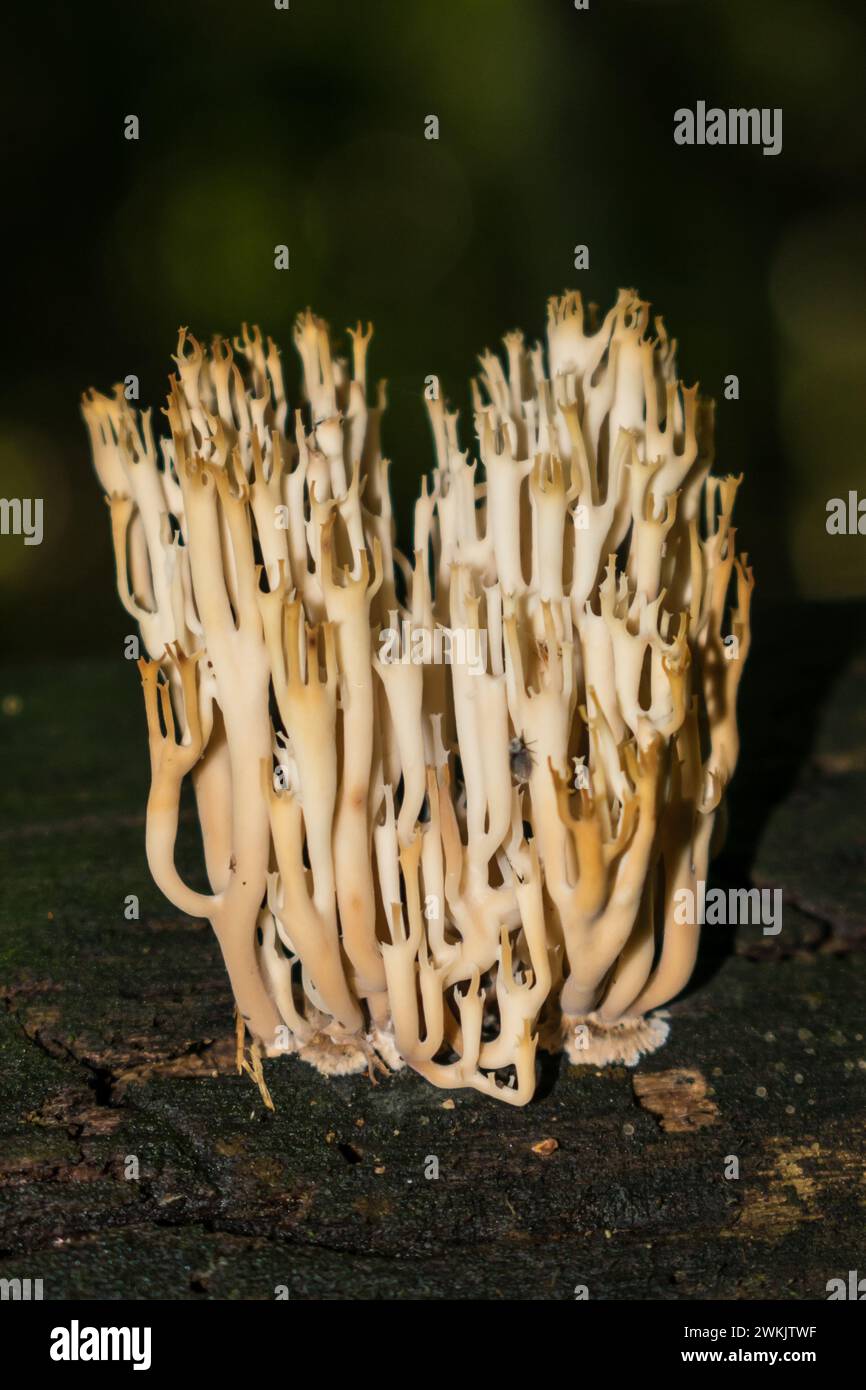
(387, 882)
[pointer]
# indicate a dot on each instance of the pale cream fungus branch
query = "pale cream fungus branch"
(448, 799)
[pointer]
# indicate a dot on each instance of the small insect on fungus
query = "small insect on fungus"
(521, 758)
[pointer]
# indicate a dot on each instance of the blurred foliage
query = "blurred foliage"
(305, 127)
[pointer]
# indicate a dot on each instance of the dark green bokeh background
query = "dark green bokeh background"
(306, 127)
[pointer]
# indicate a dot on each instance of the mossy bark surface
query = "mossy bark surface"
(116, 1041)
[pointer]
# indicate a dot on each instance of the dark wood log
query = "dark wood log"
(116, 1041)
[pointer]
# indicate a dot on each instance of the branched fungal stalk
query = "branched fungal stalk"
(447, 801)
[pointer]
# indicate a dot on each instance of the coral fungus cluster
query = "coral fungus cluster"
(443, 853)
